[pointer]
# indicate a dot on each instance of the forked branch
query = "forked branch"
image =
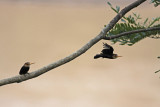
(20, 78)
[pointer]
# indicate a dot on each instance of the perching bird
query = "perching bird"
(107, 52)
(25, 68)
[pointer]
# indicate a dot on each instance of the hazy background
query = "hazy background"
(45, 31)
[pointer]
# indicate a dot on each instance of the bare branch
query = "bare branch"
(20, 78)
(131, 32)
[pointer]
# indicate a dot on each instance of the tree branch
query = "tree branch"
(131, 32)
(20, 78)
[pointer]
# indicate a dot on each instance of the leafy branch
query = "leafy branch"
(129, 33)
(130, 23)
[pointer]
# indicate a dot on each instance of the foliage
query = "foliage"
(156, 2)
(133, 22)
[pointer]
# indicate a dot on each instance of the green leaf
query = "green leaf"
(130, 44)
(109, 3)
(114, 9)
(123, 20)
(152, 1)
(145, 21)
(154, 21)
(135, 14)
(117, 8)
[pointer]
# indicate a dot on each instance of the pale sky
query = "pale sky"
(70, 1)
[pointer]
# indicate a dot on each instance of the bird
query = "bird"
(25, 68)
(107, 52)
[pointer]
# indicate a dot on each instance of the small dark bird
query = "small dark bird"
(107, 52)
(25, 68)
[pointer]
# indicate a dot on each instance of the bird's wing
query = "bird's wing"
(24, 70)
(107, 49)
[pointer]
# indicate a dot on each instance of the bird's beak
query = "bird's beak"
(32, 63)
(119, 56)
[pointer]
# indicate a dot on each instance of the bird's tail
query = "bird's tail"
(97, 56)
